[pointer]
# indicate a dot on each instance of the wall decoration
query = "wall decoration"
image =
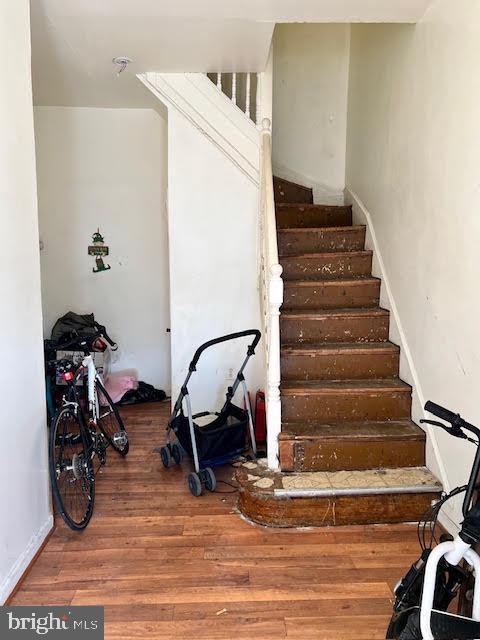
(98, 249)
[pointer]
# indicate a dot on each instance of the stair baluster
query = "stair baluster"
(258, 100)
(247, 95)
(234, 88)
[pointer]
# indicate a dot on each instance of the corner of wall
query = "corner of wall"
(408, 371)
(21, 565)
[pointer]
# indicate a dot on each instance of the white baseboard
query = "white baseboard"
(322, 194)
(408, 371)
(450, 525)
(16, 572)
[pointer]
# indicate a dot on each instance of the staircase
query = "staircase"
(348, 450)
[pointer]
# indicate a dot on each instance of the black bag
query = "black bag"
(72, 324)
(225, 434)
(144, 393)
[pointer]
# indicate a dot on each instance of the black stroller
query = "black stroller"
(221, 437)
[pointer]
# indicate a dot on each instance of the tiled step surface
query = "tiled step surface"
(335, 498)
(312, 215)
(334, 325)
(331, 294)
(298, 241)
(336, 401)
(351, 445)
(337, 361)
(327, 266)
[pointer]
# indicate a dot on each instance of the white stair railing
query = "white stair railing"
(271, 294)
(244, 90)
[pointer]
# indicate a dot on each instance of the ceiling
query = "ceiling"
(74, 41)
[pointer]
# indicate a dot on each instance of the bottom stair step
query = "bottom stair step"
(335, 498)
(351, 445)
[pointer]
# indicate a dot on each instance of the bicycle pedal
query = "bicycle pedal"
(120, 438)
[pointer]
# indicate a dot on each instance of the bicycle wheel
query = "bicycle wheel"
(109, 421)
(71, 469)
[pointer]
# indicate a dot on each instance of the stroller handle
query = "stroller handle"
(229, 336)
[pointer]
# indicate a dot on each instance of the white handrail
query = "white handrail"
(271, 294)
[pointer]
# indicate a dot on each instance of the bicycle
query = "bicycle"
(424, 595)
(83, 428)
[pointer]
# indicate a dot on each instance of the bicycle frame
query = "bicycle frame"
(92, 397)
(461, 547)
(454, 552)
(92, 414)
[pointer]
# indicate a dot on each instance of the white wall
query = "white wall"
(310, 85)
(213, 261)
(106, 168)
(24, 485)
(412, 158)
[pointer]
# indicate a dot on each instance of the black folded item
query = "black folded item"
(145, 393)
(73, 324)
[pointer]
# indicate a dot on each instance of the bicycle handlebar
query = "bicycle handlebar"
(458, 423)
(87, 340)
(440, 412)
(455, 419)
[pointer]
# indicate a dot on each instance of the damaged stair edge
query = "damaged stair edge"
(256, 476)
(264, 500)
(353, 491)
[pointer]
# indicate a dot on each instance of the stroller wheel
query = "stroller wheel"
(177, 453)
(194, 484)
(209, 479)
(166, 456)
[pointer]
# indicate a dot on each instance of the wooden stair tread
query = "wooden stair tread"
(287, 191)
(319, 387)
(329, 255)
(305, 206)
(311, 238)
(333, 230)
(339, 282)
(333, 348)
(380, 431)
(352, 312)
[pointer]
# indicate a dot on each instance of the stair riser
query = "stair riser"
(311, 455)
(339, 367)
(332, 295)
(334, 329)
(303, 217)
(285, 191)
(326, 267)
(331, 408)
(318, 240)
(345, 510)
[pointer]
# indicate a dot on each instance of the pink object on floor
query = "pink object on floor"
(117, 384)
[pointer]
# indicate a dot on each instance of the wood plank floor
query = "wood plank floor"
(167, 565)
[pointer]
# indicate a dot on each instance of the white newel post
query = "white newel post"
(273, 402)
